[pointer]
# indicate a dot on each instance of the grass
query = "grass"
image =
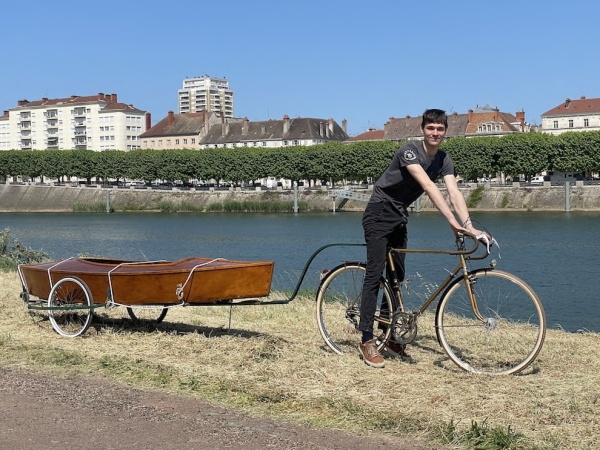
(273, 362)
(475, 197)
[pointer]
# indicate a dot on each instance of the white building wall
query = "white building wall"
(562, 124)
(208, 93)
(74, 125)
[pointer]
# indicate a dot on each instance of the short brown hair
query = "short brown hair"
(434, 116)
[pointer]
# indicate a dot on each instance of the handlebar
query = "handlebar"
(482, 238)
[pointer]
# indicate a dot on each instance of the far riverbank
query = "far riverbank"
(36, 198)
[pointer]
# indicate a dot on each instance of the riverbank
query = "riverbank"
(270, 361)
(36, 198)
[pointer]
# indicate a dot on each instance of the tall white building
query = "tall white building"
(206, 93)
(98, 122)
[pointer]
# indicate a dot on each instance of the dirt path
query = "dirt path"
(45, 412)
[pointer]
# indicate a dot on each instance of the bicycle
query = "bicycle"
(487, 321)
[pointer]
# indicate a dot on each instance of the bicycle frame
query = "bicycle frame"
(463, 255)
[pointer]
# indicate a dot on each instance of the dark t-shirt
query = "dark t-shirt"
(397, 185)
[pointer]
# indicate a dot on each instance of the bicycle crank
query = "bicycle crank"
(404, 327)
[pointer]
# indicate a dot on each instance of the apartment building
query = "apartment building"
(572, 115)
(207, 130)
(97, 122)
(483, 121)
(299, 131)
(179, 131)
(208, 94)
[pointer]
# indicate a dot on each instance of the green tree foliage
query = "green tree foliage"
(473, 157)
(577, 152)
(516, 154)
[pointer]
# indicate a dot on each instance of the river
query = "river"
(556, 253)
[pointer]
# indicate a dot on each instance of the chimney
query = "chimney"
(224, 128)
(286, 124)
(245, 126)
(170, 118)
(345, 126)
(113, 98)
(100, 96)
(321, 130)
(22, 102)
(520, 116)
(583, 97)
(6, 113)
(263, 129)
(329, 127)
(496, 111)
(44, 100)
(148, 121)
(567, 102)
(73, 97)
(470, 116)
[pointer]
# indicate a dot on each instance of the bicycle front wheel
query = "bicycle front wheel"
(338, 308)
(501, 333)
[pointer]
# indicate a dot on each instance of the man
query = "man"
(411, 172)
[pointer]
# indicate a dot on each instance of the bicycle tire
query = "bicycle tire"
(512, 331)
(338, 307)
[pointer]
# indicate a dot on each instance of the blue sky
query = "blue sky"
(355, 60)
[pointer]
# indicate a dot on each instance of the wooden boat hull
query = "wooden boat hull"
(189, 281)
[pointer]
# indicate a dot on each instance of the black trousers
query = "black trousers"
(384, 227)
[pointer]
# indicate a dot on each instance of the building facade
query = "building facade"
(98, 122)
(179, 131)
(572, 115)
(208, 94)
(208, 130)
(483, 121)
(299, 131)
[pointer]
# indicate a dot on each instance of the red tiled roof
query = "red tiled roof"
(370, 135)
(179, 124)
(76, 99)
(575, 107)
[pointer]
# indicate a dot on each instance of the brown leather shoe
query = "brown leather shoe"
(370, 354)
(398, 350)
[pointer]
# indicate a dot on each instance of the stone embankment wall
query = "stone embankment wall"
(32, 198)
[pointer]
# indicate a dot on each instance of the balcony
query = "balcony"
(78, 112)
(51, 114)
(25, 125)
(80, 132)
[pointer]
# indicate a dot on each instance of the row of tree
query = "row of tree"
(513, 155)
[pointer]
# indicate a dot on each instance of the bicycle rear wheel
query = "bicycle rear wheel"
(507, 334)
(338, 308)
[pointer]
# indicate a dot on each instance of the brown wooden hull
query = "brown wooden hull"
(200, 280)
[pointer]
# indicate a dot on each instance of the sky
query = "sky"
(363, 61)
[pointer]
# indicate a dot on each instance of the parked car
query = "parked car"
(537, 180)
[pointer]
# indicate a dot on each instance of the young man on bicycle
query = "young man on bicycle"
(412, 171)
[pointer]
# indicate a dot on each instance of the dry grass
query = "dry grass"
(274, 362)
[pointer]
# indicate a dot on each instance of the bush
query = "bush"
(14, 253)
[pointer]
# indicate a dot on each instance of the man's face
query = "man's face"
(434, 134)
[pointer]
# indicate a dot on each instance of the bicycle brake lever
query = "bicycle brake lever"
(488, 243)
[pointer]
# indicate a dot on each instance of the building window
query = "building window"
(193, 140)
(264, 144)
(586, 122)
(168, 142)
(160, 142)
(185, 142)
(145, 143)
(571, 123)
(555, 123)
(176, 141)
